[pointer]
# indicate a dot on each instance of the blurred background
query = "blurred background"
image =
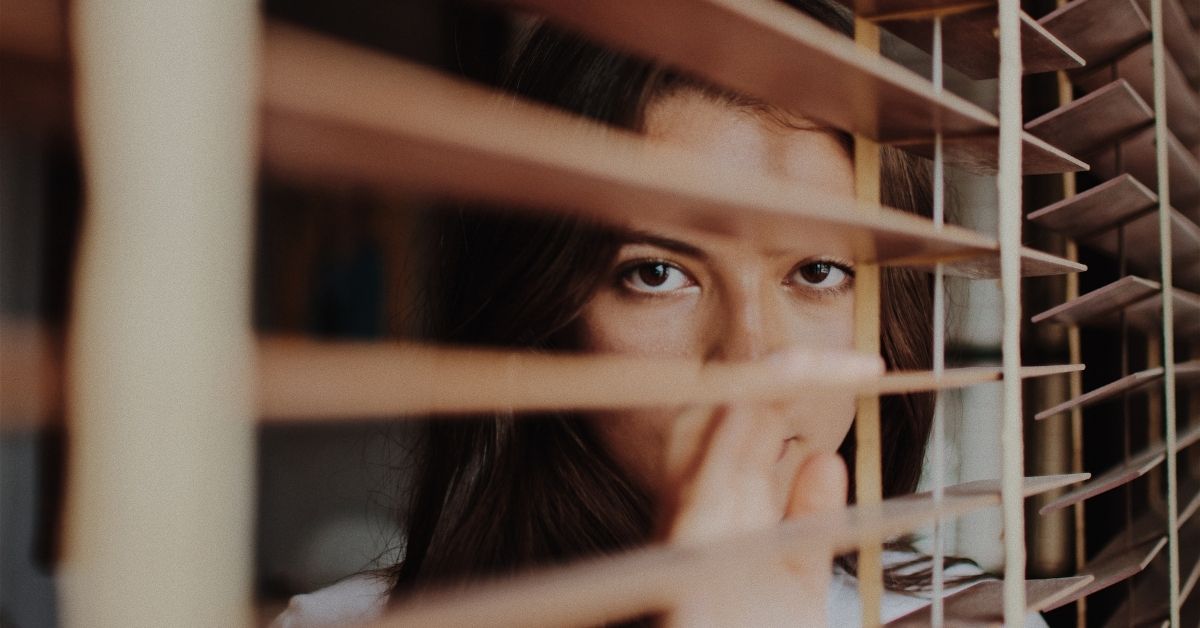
(341, 263)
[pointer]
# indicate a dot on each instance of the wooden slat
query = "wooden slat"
(1138, 465)
(1193, 14)
(896, 105)
(1185, 373)
(1137, 159)
(765, 49)
(1146, 316)
(982, 604)
(1135, 67)
(305, 380)
(1098, 30)
(1150, 524)
(970, 43)
(1141, 301)
(1101, 302)
(1149, 596)
(1141, 252)
(890, 9)
(308, 380)
(977, 154)
(406, 126)
(1103, 206)
(1113, 570)
(644, 581)
(1093, 216)
(35, 29)
(1095, 120)
(1034, 263)
(1182, 41)
(1034, 485)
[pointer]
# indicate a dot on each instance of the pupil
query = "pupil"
(653, 274)
(816, 272)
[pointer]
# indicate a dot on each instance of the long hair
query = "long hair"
(496, 494)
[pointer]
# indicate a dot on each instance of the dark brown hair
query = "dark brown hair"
(494, 494)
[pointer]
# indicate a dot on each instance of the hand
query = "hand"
(743, 477)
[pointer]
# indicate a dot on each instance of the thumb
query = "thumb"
(819, 486)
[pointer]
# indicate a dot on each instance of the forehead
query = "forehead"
(744, 139)
(747, 139)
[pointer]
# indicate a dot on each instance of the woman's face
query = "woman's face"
(685, 293)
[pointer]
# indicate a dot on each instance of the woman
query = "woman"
(499, 494)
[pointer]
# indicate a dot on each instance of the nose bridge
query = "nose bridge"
(753, 321)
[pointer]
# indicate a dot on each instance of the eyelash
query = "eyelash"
(846, 285)
(626, 272)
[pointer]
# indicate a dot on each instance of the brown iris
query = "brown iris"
(654, 274)
(816, 272)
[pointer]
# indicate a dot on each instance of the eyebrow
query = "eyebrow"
(678, 246)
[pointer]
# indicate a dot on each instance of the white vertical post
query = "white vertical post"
(1009, 187)
(1168, 306)
(938, 461)
(160, 377)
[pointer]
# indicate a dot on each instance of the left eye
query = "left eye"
(820, 275)
(655, 278)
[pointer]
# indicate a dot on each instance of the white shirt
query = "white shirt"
(362, 598)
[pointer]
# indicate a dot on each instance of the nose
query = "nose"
(752, 323)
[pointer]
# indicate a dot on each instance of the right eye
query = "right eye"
(654, 278)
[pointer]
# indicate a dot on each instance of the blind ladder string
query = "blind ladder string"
(1168, 307)
(1008, 183)
(938, 461)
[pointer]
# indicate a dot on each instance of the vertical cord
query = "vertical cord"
(1127, 489)
(1075, 380)
(868, 480)
(1158, 55)
(160, 393)
(939, 345)
(1008, 183)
